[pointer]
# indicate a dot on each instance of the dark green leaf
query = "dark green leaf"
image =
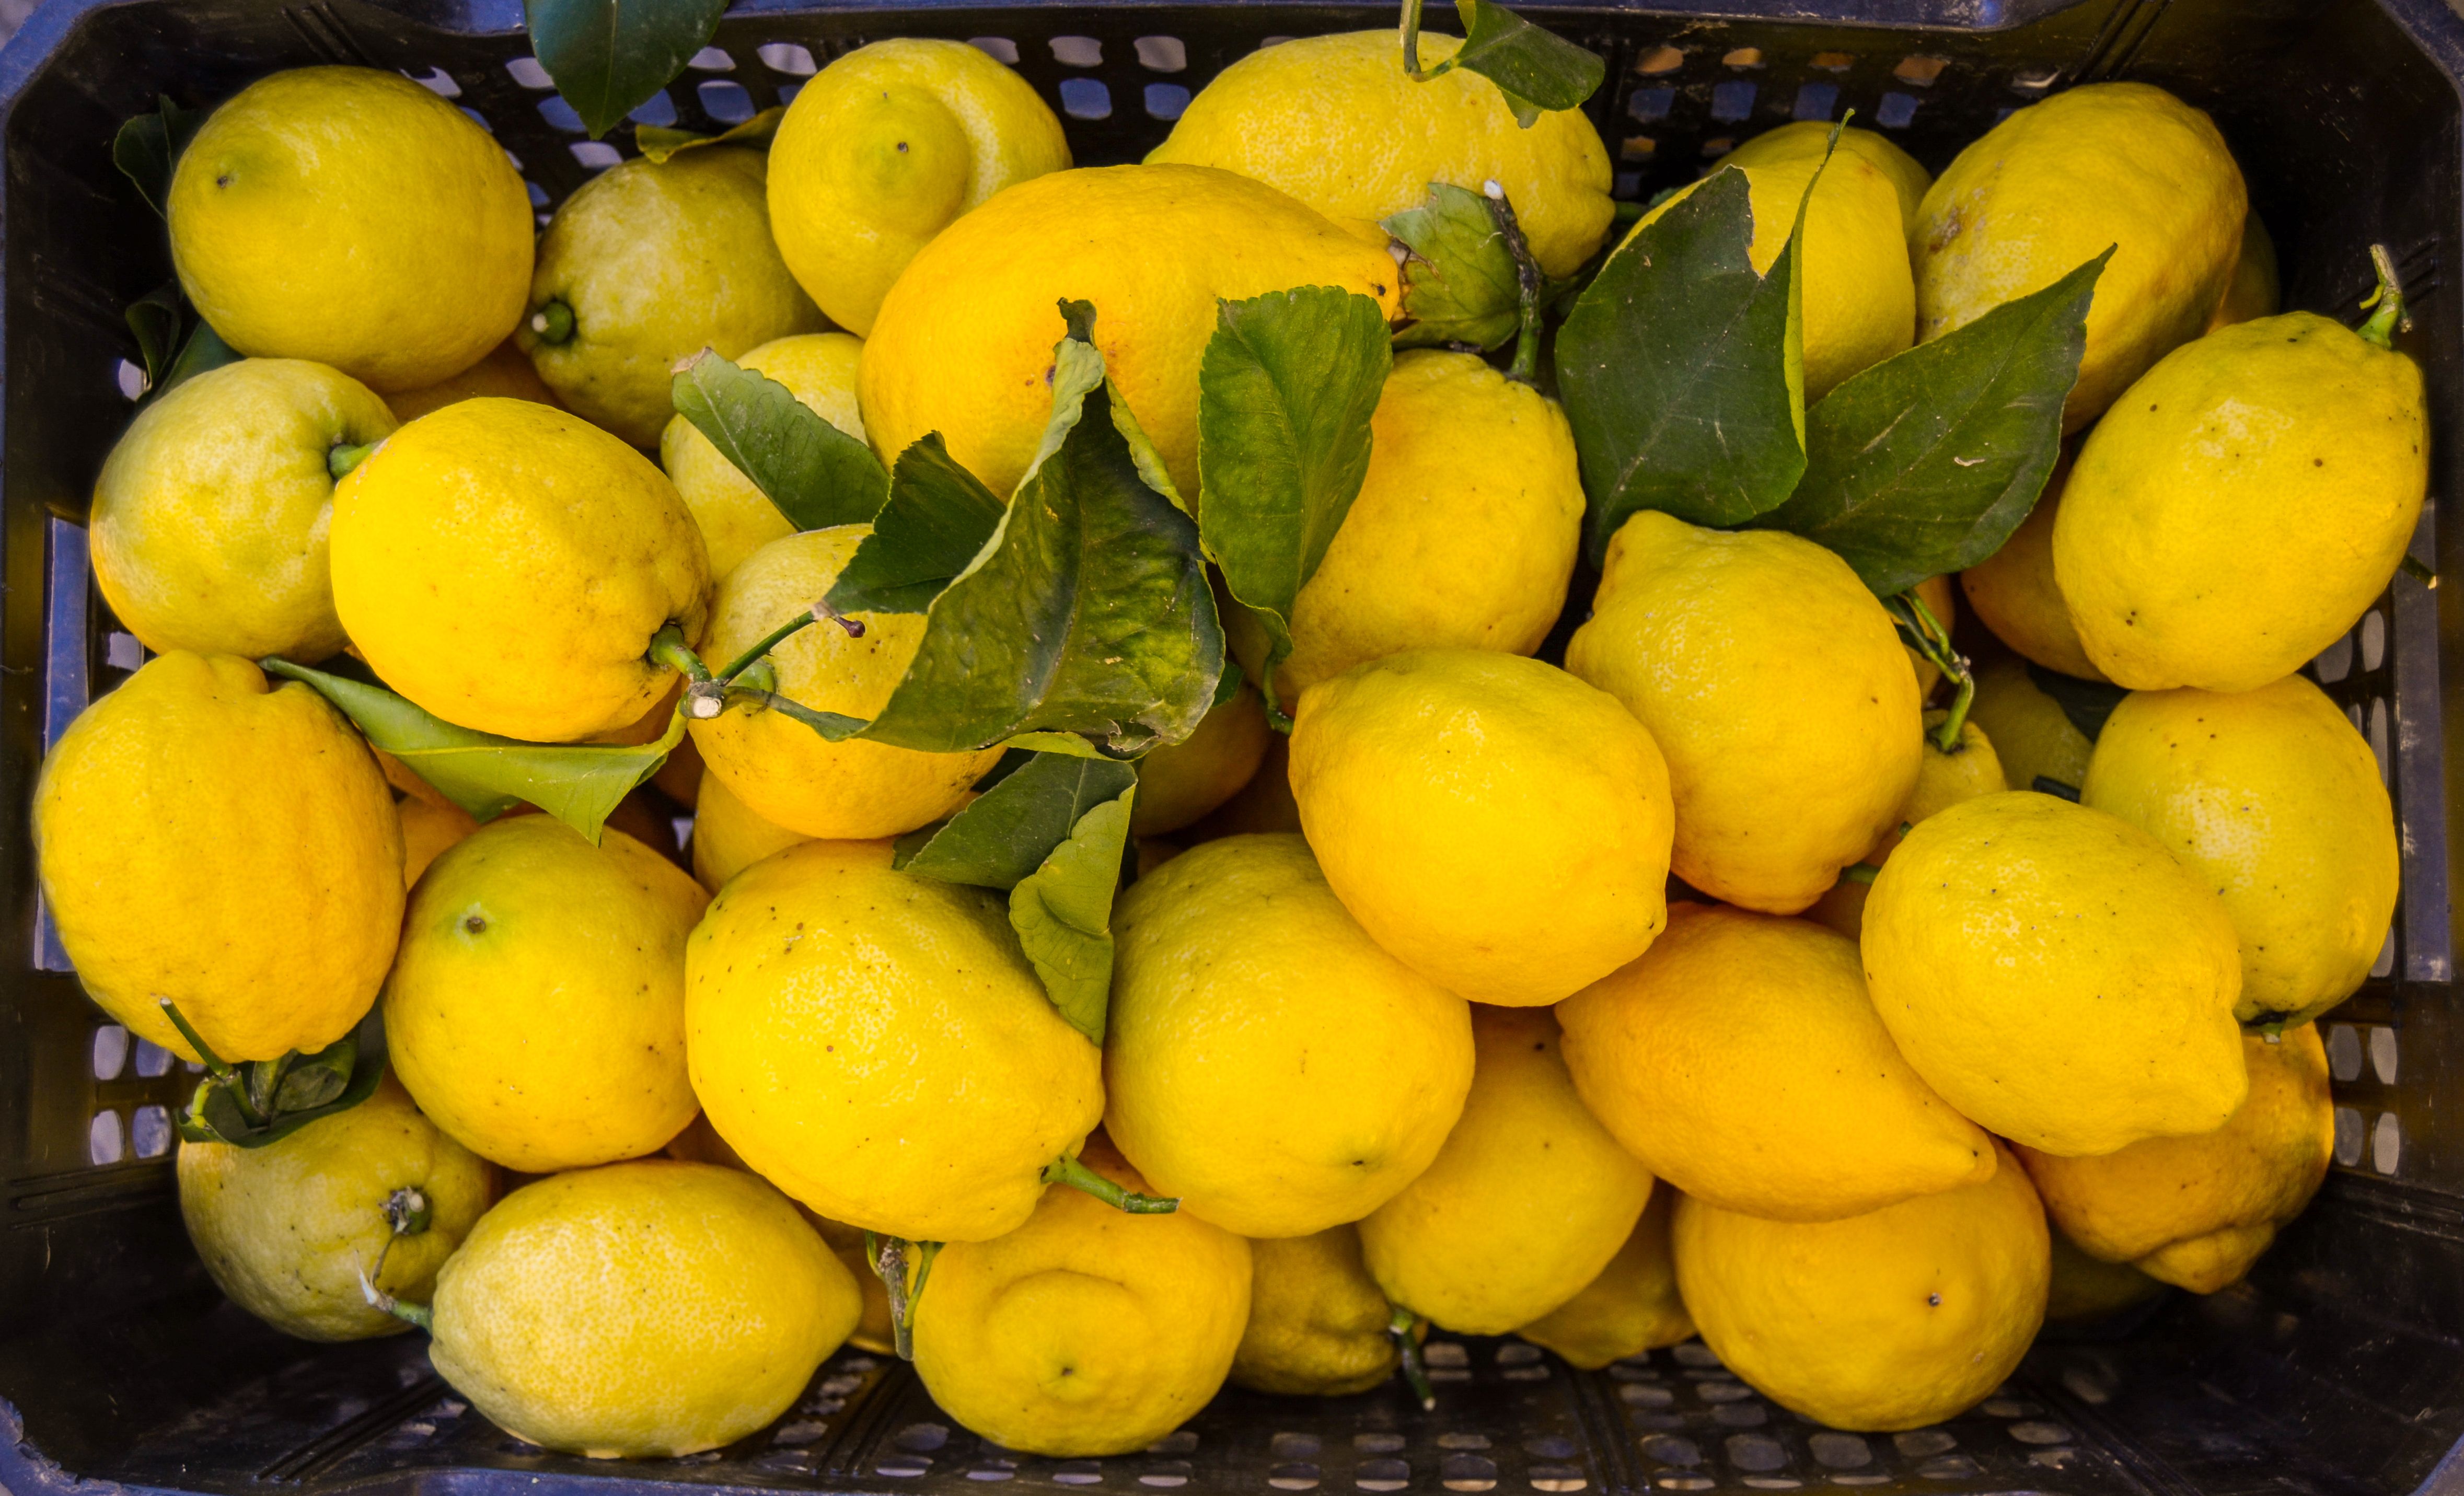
(287, 1093)
(1459, 286)
(1062, 913)
(658, 143)
(2087, 703)
(1285, 394)
(154, 318)
(204, 351)
(1924, 463)
(817, 475)
(1535, 69)
(312, 1080)
(2047, 784)
(608, 57)
(1008, 830)
(148, 148)
(937, 521)
(1681, 373)
(578, 783)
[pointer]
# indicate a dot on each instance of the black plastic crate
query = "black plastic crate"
(2338, 1367)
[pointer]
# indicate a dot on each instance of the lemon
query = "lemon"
(505, 373)
(735, 517)
(2033, 737)
(1182, 783)
(505, 565)
(2012, 592)
(207, 840)
(1497, 825)
(2195, 1212)
(1528, 1201)
(1776, 688)
(1631, 1308)
(639, 1310)
(877, 1044)
(2086, 1289)
(2057, 976)
(783, 770)
(1886, 1321)
(965, 335)
(2256, 290)
(648, 264)
(886, 146)
(286, 1230)
(1336, 122)
(728, 836)
(537, 1009)
(1267, 1062)
(1086, 1330)
(350, 216)
(2274, 798)
(1741, 1060)
(1463, 535)
(2125, 167)
(1968, 768)
(1805, 139)
(428, 829)
(210, 518)
(2238, 510)
(1855, 289)
(1318, 1323)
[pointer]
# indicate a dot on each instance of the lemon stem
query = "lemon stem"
(704, 697)
(553, 323)
(2388, 298)
(1412, 38)
(1858, 872)
(2412, 567)
(340, 460)
(1276, 716)
(1930, 639)
(1405, 1327)
(1078, 1177)
(408, 1211)
(1528, 280)
(215, 1064)
(888, 1257)
(419, 1315)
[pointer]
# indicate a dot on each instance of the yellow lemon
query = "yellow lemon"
(1805, 139)
(965, 335)
(1886, 1321)
(1335, 121)
(1527, 1203)
(1182, 783)
(210, 518)
(2195, 1212)
(2125, 167)
(1318, 1323)
(886, 146)
(2033, 737)
(2276, 799)
(350, 216)
(1499, 827)
(1086, 1330)
(640, 1311)
(1857, 291)
(428, 829)
(782, 770)
(1463, 535)
(1776, 688)
(877, 1044)
(1741, 1060)
(505, 373)
(2013, 595)
(210, 841)
(2057, 975)
(1631, 1308)
(1260, 807)
(2238, 511)
(505, 565)
(647, 264)
(737, 518)
(287, 1230)
(728, 836)
(1267, 1062)
(537, 1009)
(1966, 769)
(2256, 289)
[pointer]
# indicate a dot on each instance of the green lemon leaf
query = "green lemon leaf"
(1284, 392)
(148, 148)
(1682, 369)
(154, 318)
(265, 1101)
(2087, 703)
(1007, 832)
(937, 521)
(1062, 913)
(1535, 69)
(1459, 283)
(204, 350)
(608, 57)
(578, 783)
(817, 475)
(1086, 612)
(659, 141)
(1924, 463)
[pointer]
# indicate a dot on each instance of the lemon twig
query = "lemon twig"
(419, 1315)
(2390, 318)
(1926, 635)
(1527, 280)
(1405, 1327)
(219, 1066)
(1078, 1177)
(887, 1255)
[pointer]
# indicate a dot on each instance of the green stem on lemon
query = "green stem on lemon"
(420, 1315)
(1405, 1327)
(2418, 572)
(1078, 1177)
(1412, 38)
(887, 1255)
(1528, 282)
(1930, 639)
(213, 1063)
(340, 460)
(1858, 872)
(2390, 318)
(553, 323)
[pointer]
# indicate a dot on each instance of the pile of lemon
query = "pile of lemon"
(1692, 987)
